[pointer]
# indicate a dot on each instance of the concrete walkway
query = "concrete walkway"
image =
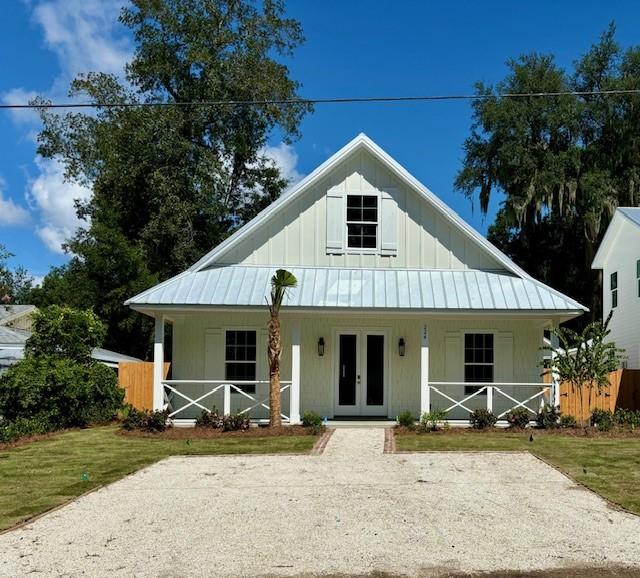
(351, 510)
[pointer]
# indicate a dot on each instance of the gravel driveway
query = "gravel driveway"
(350, 510)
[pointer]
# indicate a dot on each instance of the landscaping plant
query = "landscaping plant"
(431, 420)
(602, 419)
(482, 419)
(229, 422)
(568, 421)
(145, 420)
(627, 417)
(406, 419)
(281, 282)
(584, 360)
(518, 418)
(549, 417)
(312, 420)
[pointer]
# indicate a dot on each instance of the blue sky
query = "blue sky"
(353, 48)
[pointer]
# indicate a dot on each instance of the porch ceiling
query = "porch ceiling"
(405, 289)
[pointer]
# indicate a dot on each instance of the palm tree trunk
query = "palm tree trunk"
(275, 347)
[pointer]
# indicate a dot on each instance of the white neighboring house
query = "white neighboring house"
(15, 328)
(619, 258)
(400, 305)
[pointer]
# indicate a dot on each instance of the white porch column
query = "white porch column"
(425, 392)
(294, 390)
(158, 364)
(554, 397)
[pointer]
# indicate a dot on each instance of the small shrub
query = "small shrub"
(236, 422)
(602, 419)
(568, 421)
(311, 419)
(231, 422)
(627, 417)
(482, 419)
(518, 418)
(406, 419)
(210, 419)
(430, 420)
(22, 427)
(549, 417)
(145, 420)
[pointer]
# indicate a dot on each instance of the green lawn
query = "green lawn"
(610, 466)
(41, 475)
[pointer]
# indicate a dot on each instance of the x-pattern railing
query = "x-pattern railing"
(489, 389)
(171, 390)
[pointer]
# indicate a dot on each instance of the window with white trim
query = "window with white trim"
(240, 358)
(478, 360)
(613, 282)
(362, 221)
(638, 276)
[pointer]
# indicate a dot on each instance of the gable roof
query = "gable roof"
(204, 284)
(361, 142)
(622, 215)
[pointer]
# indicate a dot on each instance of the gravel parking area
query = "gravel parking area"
(351, 510)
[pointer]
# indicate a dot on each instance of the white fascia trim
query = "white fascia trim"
(609, 237)
(361, 141)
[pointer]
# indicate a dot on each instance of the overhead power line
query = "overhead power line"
(295, 101)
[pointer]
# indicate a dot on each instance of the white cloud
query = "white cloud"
(11, 214)
(53, 199)
(21, 96)
(84, 34)
(285, 158)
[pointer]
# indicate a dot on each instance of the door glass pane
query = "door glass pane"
(375, 369)
(347, 378)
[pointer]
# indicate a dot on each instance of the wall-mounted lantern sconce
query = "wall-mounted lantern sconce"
(401, 347)
(321, 346)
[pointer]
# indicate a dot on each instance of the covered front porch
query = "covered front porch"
(352, 365)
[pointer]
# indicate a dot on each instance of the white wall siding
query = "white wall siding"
(298, 234)
(198, 342)
(625, 323)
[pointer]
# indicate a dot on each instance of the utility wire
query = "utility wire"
(296, 101)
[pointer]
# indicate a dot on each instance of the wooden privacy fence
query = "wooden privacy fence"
(624, 393)
(136, 378)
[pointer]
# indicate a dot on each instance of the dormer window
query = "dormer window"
(362, 221)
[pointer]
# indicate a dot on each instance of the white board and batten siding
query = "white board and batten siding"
(621, 256)
(311, 230)
(198, 345)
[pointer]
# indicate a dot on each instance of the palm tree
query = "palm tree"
(280, 283)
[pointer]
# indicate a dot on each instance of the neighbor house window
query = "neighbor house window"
(614, 290)
(362, 221)
(240, 358)
(478, 360)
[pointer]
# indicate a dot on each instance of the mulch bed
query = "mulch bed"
(576, 432)
(192, 433)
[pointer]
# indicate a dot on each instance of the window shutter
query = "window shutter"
(454, 363)
(388, 223)
(335, 222)
(504, 358)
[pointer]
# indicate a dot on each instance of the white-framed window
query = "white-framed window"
(638, 276)
(479, 359)
(240, 357)
(362, 221)
(613, 286)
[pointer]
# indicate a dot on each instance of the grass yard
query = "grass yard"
(607, 465)
(38, 476)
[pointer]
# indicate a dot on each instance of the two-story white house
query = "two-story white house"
(400, 305)
(619, 258)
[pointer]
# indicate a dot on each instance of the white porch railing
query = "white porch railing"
(172, 390)
(495, 395)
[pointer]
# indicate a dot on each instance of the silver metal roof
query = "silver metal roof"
(632, 213)
(13, 337)
(247, 286)
(8, 312)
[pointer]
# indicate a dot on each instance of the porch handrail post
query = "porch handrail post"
(490, 398)
(158, 364)
(294, 390)
(425, 392)
(226, 401)
(554, 394)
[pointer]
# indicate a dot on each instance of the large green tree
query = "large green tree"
(15, 284)
(563, 163)
(171, 182)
